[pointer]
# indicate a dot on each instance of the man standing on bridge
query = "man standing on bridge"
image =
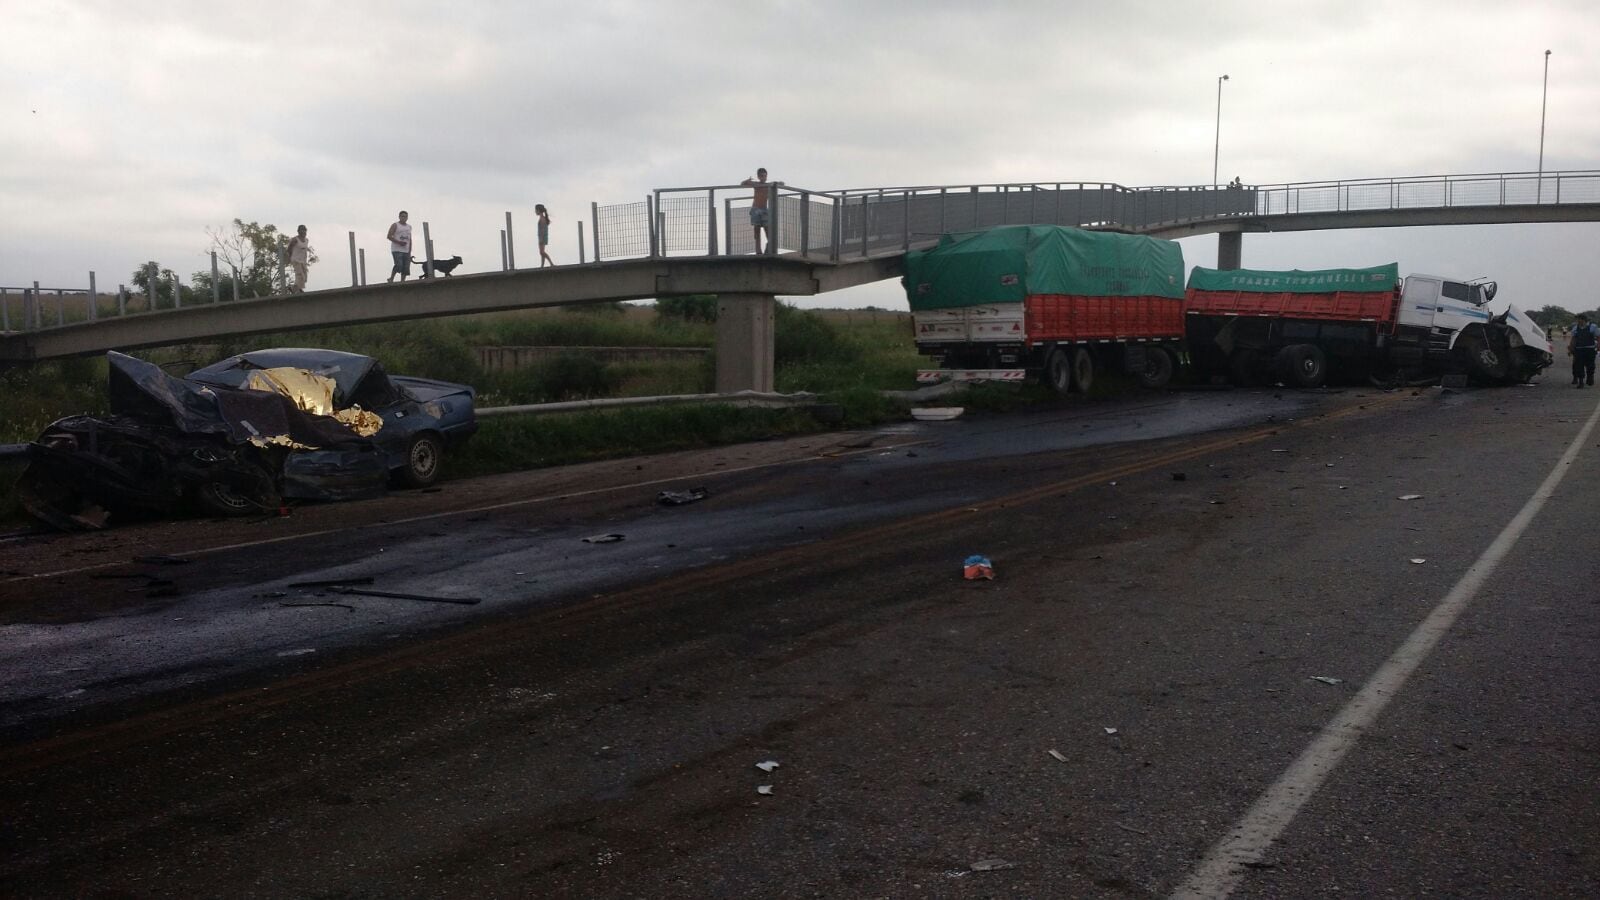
(1582, 346)
(299, 253)
(760, 215)
(400, 246)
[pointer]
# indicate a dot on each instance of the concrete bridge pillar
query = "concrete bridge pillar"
(1230, 250)
(744, 342)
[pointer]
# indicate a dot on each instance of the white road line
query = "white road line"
(411, 520)
(1246, 844)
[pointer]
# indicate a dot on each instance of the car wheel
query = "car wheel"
(222, 499)
(424, 458)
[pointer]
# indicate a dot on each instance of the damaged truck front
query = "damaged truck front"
(170, 444)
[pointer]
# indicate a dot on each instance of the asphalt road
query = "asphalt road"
(1131, 708)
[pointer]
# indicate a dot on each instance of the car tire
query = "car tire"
(424, 459)
(222, 499)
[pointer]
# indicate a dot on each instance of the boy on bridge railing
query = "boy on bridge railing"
(760, 215)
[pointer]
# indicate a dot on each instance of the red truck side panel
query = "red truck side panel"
(1341, 306)
(1070, 317)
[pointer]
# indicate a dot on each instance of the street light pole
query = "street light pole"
(1539, 191)
(1217, 149)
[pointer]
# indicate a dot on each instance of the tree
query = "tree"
(253, 254)
(690, 307)
(161, 293)
(1551, 316)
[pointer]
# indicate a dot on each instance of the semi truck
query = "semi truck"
(1045, 301)
(1062, 304)
(1304, 327)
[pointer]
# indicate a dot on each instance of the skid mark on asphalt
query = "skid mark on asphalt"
(1246, 844)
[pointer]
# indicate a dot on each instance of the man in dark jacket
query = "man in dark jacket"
(1582, 346)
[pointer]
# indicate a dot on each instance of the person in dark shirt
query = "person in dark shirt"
(1582, 346)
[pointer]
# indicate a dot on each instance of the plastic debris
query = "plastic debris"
(602, 538)
(1327, 679)
(1179, 476)
(1417, 560)
(679, 498)
(764, 790)
(1409, 497)
(1110, 730)
(1057, 754)
(992, 865)
(767, 766)
(977, 567)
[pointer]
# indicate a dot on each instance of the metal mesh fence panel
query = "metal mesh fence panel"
(685, 225)
(1475, 193)
(1574, 189)
(622, 230)
(1419, 194)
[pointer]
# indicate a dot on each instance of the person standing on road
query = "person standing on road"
(299, 253)
(1582, 347)
(400, 247)
(760, 215)
(544, 234)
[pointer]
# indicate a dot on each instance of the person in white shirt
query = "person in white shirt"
(400, 246)
(299, 253)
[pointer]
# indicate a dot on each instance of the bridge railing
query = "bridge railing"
(1428, 192)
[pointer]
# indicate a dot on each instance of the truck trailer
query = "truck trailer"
(1046, 301)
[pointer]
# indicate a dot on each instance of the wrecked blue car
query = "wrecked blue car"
(241, 436)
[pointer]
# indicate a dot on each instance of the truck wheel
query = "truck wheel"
(1487, 362)
(1082, 370)
(1303, 366)
(1157, 370)
(1244, 367)
(1058, 371)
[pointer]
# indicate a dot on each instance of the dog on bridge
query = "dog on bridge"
(439, 265)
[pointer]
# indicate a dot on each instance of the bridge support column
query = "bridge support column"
(1230, 250)
(744, 342)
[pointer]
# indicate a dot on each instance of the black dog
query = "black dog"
(439, 265)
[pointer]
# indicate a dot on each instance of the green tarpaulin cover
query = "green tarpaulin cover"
(1297, 281)
(1006, 264)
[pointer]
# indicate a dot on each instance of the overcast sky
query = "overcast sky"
(130, 127)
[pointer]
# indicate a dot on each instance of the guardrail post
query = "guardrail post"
(362, 256)
(235, 281)
(61, 308)
(427, 252)
(177, 291)
(94, 299)
(905, 220)
(775, 201)
(652, 206)
(355, 273)
(1558, 188)
(711, 222)
(151, 286)
(581, 258)
(505, 264)
(30, 308)
(216, 280)
(805, 224)
(594, 213)
(838, 228)
(727, 226)
(511, 245)
(122, 300)
(5, 311)
(864, 216)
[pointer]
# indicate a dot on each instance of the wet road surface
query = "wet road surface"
(1173, 573)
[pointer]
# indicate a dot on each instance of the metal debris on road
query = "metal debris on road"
(764, 790)
(1179, 476)
(395, 595)
(1130, 829)
(977, 567)
(992, 865)
(333, 582)
(1327, 679)
(1110, 730)
(602, 538)
(767, 766)
(161, 560)
(1417, 560)
(339, 605)
(679, 498)
(1409, 497)
(1057, 754)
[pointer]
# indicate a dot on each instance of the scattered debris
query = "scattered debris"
(1179, 476)
(764, 789)
(161, 560)
(300, 652)
(1110, 730)
(1279, 450)
(1130, 829)
(1327, 679)
(333, 582)
(394, 595)
(678, 498)
(1057, 754)
(602, 538)
(1409, 497)
(992, 865)
(1417, 560)
(977, 567)
(339, 605)
(767, 766)
(937, 413)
